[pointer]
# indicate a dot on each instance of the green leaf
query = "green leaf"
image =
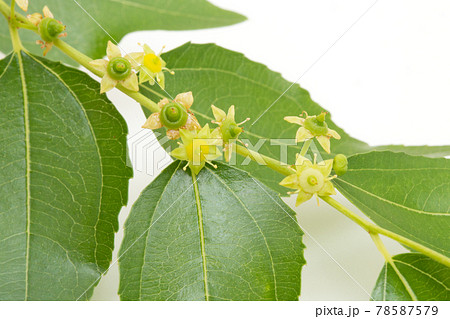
(428, 151)
(408, 195)
(230, 238)
(117, 18)
(428, 279)
(224, 78)
(63, 180)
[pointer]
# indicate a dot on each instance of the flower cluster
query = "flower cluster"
(199, 145)
(312, 178)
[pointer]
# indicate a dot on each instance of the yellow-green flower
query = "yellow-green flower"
(229, 129)
(198, 148)
(117, 70)
(157, 120)
(313, 126)
(310, 179)
(151, 67)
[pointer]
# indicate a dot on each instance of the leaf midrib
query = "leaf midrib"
(28, 165)
(201, 232)
(394, 203)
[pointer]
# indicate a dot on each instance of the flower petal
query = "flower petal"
(47, 12)
(147, 50)
(303, 161)
(99, 65)
(23, 4)
(163, 102)
(325, 167)
(180, 153)
(131, 82)
(291, 181)
(107, 84)
(146, 75)
(186, 99)
(204, 132)
(294, 119)
(112, 51)
(303, 134)
(186, 136)
(161, 79)
(153, 122)
(302, 197)
(334, 134)
(327, 189)
(230, 115)
(192, 123)
(34, 18)
(324, 141)
(135, 58)
(219, 114)
(173, 134)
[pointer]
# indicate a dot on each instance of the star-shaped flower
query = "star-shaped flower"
(310, 179)
(198, 148)
(229, 129)
(49, 29)
(155, 121)
(117, 70)
(313, 126)
(151, 66)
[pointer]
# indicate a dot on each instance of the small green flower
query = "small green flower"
(117, 70)
(313, 126)
(198, 148)
(49, 28)
(174, 115)
(228, 127)
(310, 179)
(151, 67)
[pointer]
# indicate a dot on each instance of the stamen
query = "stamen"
(212, 164)
(332, 177)
(246, 120)
(245, 144)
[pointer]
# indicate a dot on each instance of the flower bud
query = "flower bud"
(340, 164)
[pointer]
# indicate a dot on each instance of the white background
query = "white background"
(383, 72)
